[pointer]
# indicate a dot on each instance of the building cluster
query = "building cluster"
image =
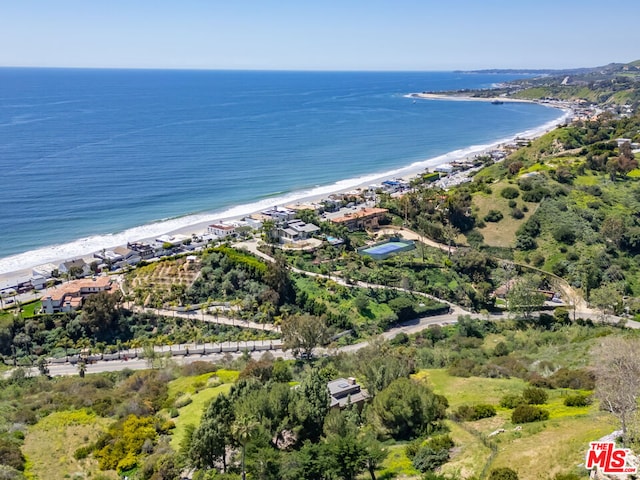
(69, 296)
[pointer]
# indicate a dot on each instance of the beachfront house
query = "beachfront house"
(144, 250)
(45, 270)
(364, 219)
(221, 230)
(69, 296)
(346, 391)
(77, 268)
(108, 256)
(279, 214)
(296, 230)
(254, 221)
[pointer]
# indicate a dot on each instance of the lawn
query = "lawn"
(49, 446)
(201, 391)
(396, 465)
(460, 391)
(538, 450)
(502, 233)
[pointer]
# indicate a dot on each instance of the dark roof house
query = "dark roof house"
(345, 391)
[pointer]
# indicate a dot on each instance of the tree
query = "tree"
(242, 430)
(82, 368)
(407, 409)
(302, 333)
(42, 366)
(618, 378)
(278, 278)
(524, 297)
(374, 454)
(312, 404)
(347, 455)
(607, 299)
(210, 440)
(269, 231)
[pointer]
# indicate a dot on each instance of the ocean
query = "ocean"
(93, 158)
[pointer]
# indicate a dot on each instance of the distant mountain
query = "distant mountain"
(612, 84)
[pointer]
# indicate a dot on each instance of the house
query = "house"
(171, 240)
(365, 219)
(279, 214)
(69, 296)
(297, 230)
(346, 391)
(254, 221)
(77, 267)
(298, 207)
(221, 230)
(127, 255)
(108, 256)
(45, 270)
(143, 249)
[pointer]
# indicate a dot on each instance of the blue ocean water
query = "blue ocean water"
(92, 152)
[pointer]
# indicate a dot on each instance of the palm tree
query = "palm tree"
(242, 430)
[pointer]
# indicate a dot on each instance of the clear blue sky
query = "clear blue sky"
(320, 34)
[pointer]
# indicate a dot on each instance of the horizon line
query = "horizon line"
(284, 70)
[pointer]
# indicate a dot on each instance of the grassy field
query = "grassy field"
(49, 446)
(201, 389)
(397, 465)
(537, 450)
(502, 233)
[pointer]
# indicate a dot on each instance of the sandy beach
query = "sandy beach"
(19, 266)
(467, 98)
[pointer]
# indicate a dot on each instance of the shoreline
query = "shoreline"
(20, 265)
(468, 98)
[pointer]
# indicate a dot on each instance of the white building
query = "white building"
(221, 230)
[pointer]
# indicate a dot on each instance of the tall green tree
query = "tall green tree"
(524, 297)
(210, 440)
(407, 409)
(242, 430)
(301, 333)
(312, 404)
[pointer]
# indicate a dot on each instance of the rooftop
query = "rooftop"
(365, 212)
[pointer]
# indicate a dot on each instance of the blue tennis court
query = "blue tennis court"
(384, 250)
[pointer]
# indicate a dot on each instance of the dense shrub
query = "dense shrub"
(578, 400)
(511, 401)
(83, 452)
(433, 454)
(537, 380)
(512, 203)
(501, 349)
(528, 413)
(579, 379)
(565, 234)
(535, 396)
(474, 412)
(567, 476)
(525, 242)
(475, 238)
(536, 195)
(493, 216)
(11, 455)
(510, 192)
(517, 213)
(503, 473)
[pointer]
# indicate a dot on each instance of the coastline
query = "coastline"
(20, 265)
(467, 98)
